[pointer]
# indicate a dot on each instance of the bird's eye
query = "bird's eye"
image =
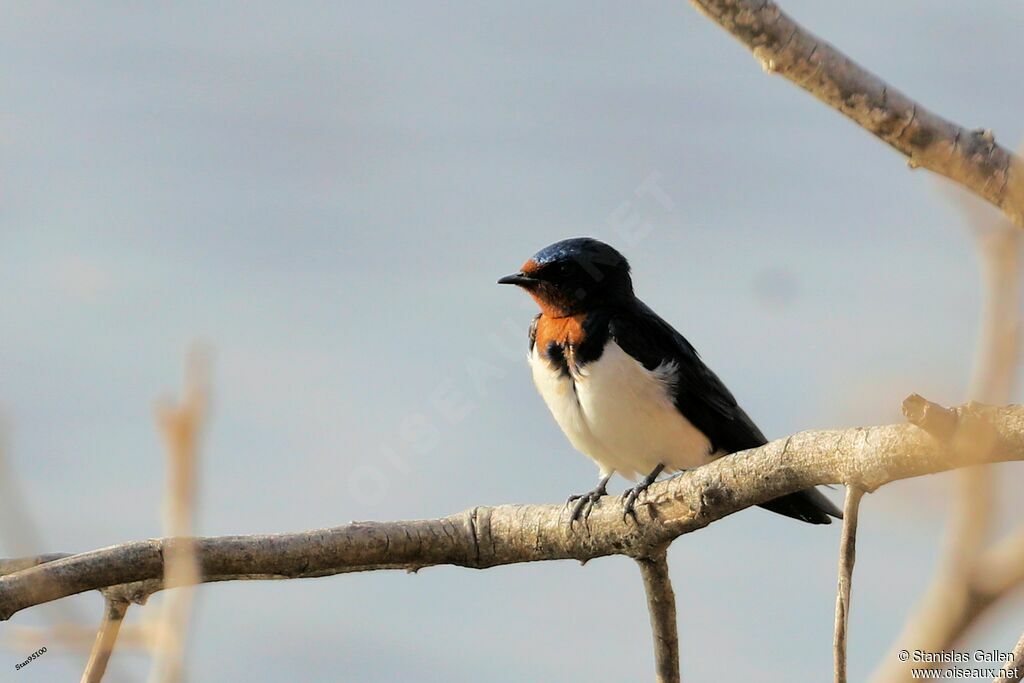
(560, 271)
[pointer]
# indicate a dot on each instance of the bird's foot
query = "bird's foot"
(631, 495)
(583, 503)
(629, 499)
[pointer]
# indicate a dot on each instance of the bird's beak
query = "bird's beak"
(517, 279)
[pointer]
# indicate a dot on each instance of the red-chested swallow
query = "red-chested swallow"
(626, 388)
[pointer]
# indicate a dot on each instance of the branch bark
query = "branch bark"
(661, 603)
(489, 536)
(970, 158)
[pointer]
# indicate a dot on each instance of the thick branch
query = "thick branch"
(661, 603)
(970, 158)
(489, 536)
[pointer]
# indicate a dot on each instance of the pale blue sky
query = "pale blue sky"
(325, 194)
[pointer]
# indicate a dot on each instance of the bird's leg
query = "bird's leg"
(585, 501)
(630, 495)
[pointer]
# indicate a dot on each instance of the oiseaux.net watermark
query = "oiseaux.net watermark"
(978, 664)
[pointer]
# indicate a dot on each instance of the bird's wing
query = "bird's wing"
(700, 396)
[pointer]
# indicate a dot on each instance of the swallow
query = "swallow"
(627, 389)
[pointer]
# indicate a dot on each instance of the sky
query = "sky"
(323, 195)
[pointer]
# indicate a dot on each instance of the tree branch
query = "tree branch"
(489, 536)
(970, 158)
(847, 558)
(661, 603)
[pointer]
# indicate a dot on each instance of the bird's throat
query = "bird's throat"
(565, 331)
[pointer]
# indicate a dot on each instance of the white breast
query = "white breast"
(621, 414)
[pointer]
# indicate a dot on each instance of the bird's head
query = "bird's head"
(574, 276)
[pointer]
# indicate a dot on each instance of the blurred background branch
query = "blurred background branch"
(180, 425)
(163, 636)
(968, 580)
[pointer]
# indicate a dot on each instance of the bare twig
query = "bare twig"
(137, 637)
(847, 557)
(113, 615)
(485, 537)
(970, 158)
(661, 604)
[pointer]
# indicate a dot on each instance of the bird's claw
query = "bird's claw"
(629, 499)
(584, 504)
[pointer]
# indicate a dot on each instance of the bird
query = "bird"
(626, 388)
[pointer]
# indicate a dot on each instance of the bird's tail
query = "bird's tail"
(809, 505)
